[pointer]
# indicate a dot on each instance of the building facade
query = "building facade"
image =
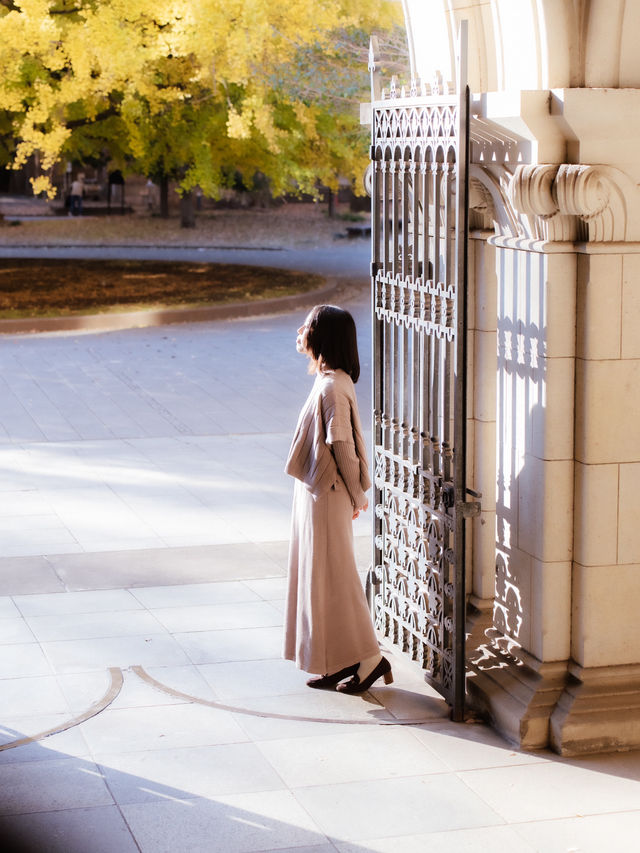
(554, 411)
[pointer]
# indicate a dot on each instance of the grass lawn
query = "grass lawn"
(30, 288)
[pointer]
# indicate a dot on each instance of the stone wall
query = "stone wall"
(554, 650)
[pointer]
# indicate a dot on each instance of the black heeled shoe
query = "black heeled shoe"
(354, 685)
(323, 681)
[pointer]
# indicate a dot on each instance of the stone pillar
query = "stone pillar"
(518, 673)
(555, 171)
(482, 429)
(561, 662)
(600, 707)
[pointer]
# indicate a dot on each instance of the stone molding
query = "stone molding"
(551, 203)
(598, 710)
(572, 709)
(575, 202)
(515, 690)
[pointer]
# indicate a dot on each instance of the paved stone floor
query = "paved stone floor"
(144, 517)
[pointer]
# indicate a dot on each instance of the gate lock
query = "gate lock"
(469, 509)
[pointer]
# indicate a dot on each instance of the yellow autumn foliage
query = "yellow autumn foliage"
(201, 73)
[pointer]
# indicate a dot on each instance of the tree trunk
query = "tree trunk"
(187, 210)
(164, 196)
(331, 201)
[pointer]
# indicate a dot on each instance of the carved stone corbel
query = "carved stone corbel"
(532, 195)
(569, 202)
(481, 206)
(489, 200)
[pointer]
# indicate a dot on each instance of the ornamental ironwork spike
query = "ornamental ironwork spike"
(374, 54)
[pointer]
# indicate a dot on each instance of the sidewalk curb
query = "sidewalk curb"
(167, 316)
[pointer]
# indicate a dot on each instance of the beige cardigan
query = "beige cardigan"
(329, 415)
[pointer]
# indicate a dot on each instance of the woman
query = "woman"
(328, 628)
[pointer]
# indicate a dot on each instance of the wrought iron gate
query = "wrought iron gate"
(419, 195)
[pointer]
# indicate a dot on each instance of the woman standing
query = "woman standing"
(328, 628)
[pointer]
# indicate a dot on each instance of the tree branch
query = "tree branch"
(73, 123)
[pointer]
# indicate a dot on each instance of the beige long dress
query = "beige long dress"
(327, 621)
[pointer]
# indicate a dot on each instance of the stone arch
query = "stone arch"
(575, 43)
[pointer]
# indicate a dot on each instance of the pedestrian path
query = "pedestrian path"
(152, 438)
(347, 258)
(181, 729)
(143, 522)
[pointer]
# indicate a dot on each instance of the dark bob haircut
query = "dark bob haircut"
(331, 340)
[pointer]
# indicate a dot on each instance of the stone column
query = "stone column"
(555, 166)
(561, 662)
(600, 706)
(482, 425)
(518, 672)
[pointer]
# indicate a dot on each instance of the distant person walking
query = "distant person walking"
(328, 627)
(75, 196)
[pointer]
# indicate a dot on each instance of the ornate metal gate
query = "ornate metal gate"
(419, 195)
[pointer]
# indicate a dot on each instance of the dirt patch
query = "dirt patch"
(31, 288)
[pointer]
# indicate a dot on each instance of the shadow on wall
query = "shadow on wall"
(520, 429)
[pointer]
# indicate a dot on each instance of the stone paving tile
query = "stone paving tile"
(15, 631)
(24, 660)
(245, 679)
(101, 829)
(242, 644)
(261, 729)
(327, 759)
(202, 771)
(223, 592)
(69, 656)
(271, 589)
(81, 690)
(238, 615)
(84, 689)
(51, 785)
(493, 839)
(378, 808)
(8, 609)
(329, 708)
(584, 833)
(28, 544)
(270, 820)
(28, 575)
(89, 626)
(65, 744)
(184, 565)
(548, 790)
(144, 729)
(91, 601)
(473, 747)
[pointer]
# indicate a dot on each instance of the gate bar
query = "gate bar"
(460, 401)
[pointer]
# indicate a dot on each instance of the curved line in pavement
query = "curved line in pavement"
(96, 708)
(219, 706)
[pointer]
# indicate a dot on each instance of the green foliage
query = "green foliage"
(189, 91)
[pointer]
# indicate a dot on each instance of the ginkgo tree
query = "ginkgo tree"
(182, 90)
